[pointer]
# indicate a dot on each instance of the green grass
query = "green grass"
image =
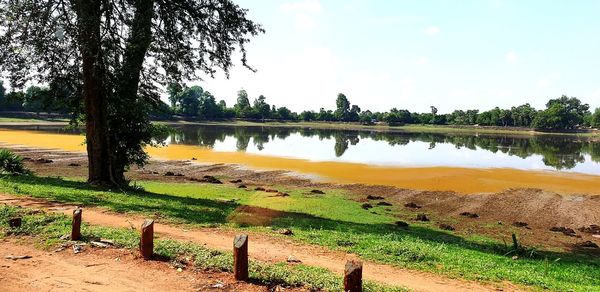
(49, 228)
(29, 120)
(333, 221)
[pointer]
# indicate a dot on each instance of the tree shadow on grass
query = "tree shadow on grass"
(206, 211)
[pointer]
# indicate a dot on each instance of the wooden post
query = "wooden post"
(147, 239)
(353, 276)
(240, 257)
(515, 242)
(15, 222)
(76, 225)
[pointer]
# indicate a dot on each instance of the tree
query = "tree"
(366, 118)
(242, 107)
(119, 51)
(307, 116)
(434, 111)
(285, 114)
(353, 115)
(343, 108)
(208, 109)
(398, 117)
(523, 115)
(35, 99)
(325, 115)
(189, 100)
(595, 121)
(262, 108)
(2, 93)
(174, 90)
(563, 113)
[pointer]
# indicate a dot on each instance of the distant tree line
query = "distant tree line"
(563, 113)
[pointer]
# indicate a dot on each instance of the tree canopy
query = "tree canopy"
(117, 54)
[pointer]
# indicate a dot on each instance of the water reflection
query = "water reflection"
(550, 152)
(556, 152)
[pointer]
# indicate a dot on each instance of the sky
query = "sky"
(412, 54)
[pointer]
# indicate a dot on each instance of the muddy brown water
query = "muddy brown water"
(424, 161)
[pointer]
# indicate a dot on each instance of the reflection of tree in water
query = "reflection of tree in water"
(260, 139)
(341, 145)
(560, 152)
(341, 142)
(194, 135)
(595, 151)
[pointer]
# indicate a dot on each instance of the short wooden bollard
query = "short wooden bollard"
(353, 276)
(240, 257)
(76, 225)
(15, 222)
(147, 239)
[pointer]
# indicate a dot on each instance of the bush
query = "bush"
(11, 163)
(595, 120)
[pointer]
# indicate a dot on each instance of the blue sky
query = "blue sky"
(415, 53)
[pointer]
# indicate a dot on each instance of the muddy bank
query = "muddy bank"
(492, 214)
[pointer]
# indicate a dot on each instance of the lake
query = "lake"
(402, 149)
(560, 153)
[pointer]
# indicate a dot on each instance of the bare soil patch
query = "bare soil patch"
(254, 216)
(97, 269)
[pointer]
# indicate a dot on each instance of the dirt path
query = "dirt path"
(270, 249)
(101, 270)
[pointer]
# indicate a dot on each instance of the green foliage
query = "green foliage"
(35, 98)
(261, 108)
(242, 106)
(523, 115)
(190, 100)
(366, 118)
(595, 120)
(2, 93)
(398, 117)
(307, 116)
(563, 113)
(174, 90)
(11, 163)
(119, 52)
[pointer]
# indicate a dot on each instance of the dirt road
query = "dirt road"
(270, 249)
(102, 270)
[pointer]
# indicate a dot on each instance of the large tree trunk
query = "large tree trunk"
(129, 74)
(98, 146)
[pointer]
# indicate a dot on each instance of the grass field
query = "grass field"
(333, 221)
(29, 120)
(49, 228)
(345, 126)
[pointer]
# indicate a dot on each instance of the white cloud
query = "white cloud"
(307, 6)
(304, 21)
(548, 80)
(511, 57)
(396, 19)
(543, 83)
(304, 12)
(423, 61)
(432, 30)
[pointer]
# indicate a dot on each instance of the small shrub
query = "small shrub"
(11, 163)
